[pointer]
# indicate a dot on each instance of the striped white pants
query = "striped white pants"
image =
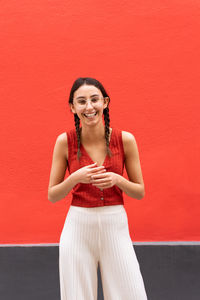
(98, 234)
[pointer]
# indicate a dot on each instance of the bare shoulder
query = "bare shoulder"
(127, 136)
(62, 142)
(129, 142)
(62, 137)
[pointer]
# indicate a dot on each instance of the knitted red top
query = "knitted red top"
(86, 194)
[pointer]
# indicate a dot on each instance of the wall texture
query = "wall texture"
(146, 54)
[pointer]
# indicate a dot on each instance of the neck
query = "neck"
(93, 134)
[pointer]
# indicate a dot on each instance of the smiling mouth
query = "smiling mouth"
(90, 116)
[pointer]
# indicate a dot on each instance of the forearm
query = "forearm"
(134, 190)
(61, 190)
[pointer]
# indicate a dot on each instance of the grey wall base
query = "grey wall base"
(169, 272)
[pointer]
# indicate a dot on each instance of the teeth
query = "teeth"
(90, 115)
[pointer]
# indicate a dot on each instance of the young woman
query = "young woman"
(96, 226)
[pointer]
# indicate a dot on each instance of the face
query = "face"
(88, 104)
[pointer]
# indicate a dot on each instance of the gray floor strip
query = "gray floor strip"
(167, 243)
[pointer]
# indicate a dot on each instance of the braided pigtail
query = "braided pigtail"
(78, 134)
(107, 131)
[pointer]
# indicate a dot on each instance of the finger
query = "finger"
(103, 180)
(100, 175)
(101, 171)
(97, 169)
(92, 165)
(101, 185)
(94, 176)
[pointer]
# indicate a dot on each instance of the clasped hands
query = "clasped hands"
(104, 180)
(95, 175)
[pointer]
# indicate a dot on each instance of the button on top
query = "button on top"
(101, 198)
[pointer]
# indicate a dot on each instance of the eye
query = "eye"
(81, 101)
(95, 99)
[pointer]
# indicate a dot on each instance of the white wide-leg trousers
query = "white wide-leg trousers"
(92, 235)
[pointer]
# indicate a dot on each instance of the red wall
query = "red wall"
(146, 54)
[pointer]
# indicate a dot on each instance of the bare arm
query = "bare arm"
(58, 187)
(134, 187)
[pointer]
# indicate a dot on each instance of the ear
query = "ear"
(72, 108)
(106, 102)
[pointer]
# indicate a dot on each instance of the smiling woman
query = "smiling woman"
(96, 227)
(88, 107)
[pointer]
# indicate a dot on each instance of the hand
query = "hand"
(83, 175)
(105, 180)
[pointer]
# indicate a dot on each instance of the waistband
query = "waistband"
(107, 209)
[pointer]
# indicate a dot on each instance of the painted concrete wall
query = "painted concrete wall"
(146, 54)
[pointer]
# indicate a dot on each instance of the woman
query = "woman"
(96, 226)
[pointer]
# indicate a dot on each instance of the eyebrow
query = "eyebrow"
(82, 97)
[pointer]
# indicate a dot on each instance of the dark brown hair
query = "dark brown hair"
(90, 81)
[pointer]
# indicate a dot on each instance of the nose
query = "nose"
(89, 104)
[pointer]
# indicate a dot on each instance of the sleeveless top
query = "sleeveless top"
(86, 194)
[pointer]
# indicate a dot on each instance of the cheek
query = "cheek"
(99, 107)
(80, 111)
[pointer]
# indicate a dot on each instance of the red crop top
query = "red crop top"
(88, 195)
